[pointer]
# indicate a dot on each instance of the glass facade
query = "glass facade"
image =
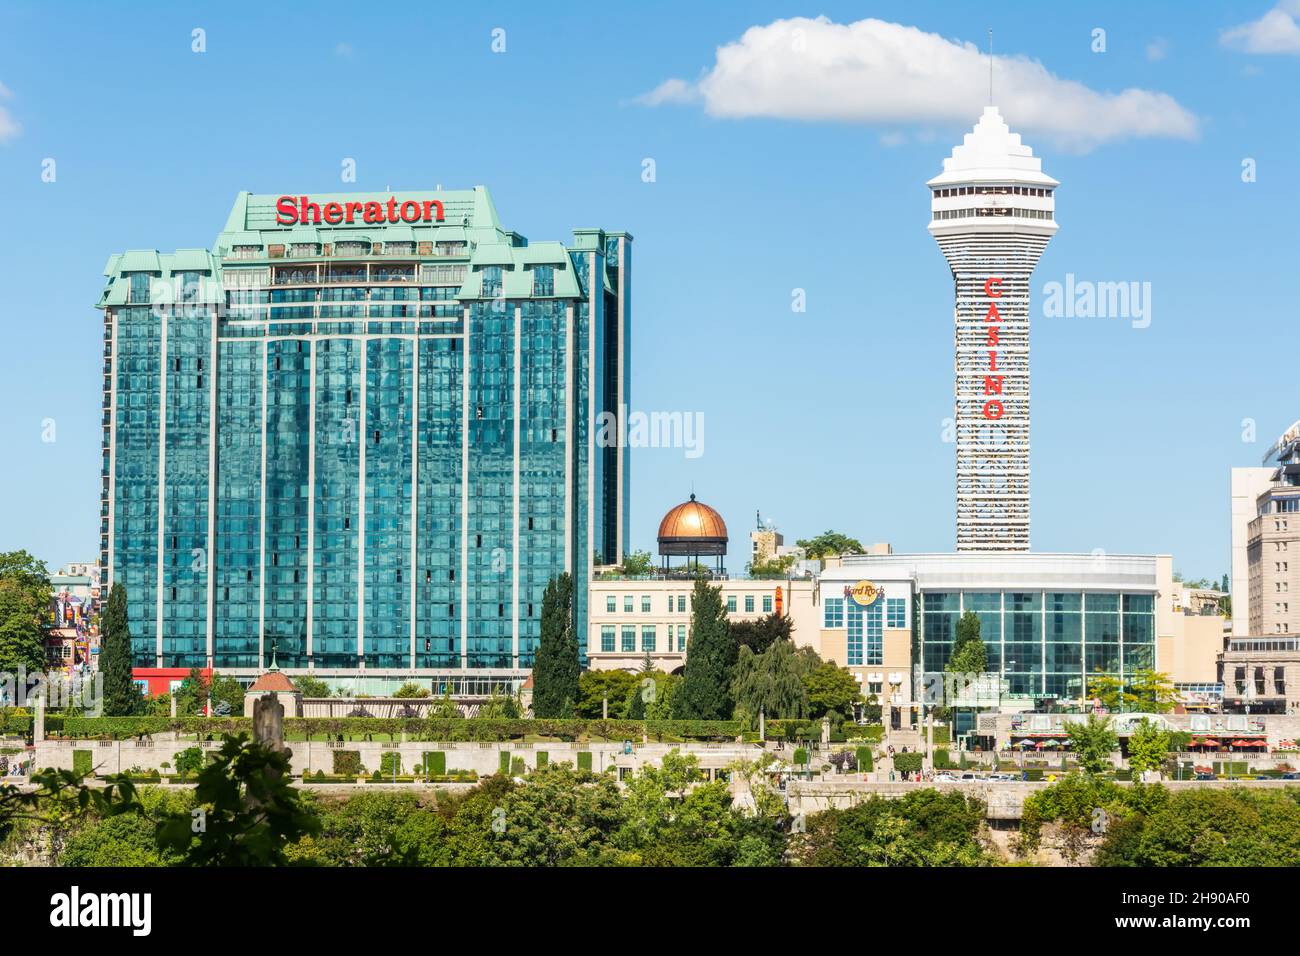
(376, 465)
(1046, 643)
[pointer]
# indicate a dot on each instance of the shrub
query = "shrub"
(189, 761)
(517, 767)
(907, 763)
(435, 762)
(503, 762)
(347, 763)
(584, 759)
(864, 758)
(82, 762)
(390, 763)
(942, 761)
(543, 758)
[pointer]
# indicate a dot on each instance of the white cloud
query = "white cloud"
(1275, 32)
(1157, 49)
(872, 71)
(9, 127)
(669, 91)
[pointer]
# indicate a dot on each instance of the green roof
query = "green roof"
(469, 216)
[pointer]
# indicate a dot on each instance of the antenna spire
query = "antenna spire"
(990, 66)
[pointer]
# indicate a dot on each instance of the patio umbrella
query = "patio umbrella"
(1209, 742)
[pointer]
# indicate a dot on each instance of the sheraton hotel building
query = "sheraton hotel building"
(357, 431)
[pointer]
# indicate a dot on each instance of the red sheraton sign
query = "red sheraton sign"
(992, 383)
(299, 209)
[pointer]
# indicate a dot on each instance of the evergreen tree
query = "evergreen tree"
(705, 691)
(556, 668)
(968, 629)
(121, 698)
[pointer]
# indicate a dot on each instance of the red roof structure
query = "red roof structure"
(273, 682)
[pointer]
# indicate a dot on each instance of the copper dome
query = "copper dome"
(692, 528)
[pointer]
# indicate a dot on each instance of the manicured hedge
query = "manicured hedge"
(435, 762)
(584, 759)
(909, 762)
(942, 760)
(347, 762)
(543, 758)
(864, 759)
(503, 762)
(83, 761)
(390, 763)
(439, 729)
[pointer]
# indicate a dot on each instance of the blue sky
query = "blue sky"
(830, 418)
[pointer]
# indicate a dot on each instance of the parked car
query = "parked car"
(1206, 776)
(968, 778)
(1290, 775)
(945, 778)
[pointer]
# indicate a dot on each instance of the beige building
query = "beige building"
(1247, 485)
(1273, 541)
(1261, 674)
(1049, 621)
(632, 617)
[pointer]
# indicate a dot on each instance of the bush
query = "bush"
(503, 762)
(584, 759)
(435, 762)
(543, 758)
(189, 761)
(83, 762)
(942, 761)
(517, 767)
(907, 763)
(347, 763)
(864, 759)
(390, 763)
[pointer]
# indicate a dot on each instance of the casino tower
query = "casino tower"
(992, 213)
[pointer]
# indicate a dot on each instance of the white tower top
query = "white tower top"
(991, 152)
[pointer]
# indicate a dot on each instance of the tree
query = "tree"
(121, 696)
(774, 567)
(637, 563)
(192, 695)
(770, 682)
(1153, 692)
(704, 693)
(227, 696)
(831, 690)
(310, 686)
(968, 630)
(251, 810)
(1145, 691)
(1148, 746)
(761, 634)
(25, 595)
(595, 687)
(923, 828)
(445, 708)
(22, 644)
(411, 689)
(831, 544)
(556, 668)
(1093, 743)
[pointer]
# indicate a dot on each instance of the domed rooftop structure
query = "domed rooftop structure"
(693, 529)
